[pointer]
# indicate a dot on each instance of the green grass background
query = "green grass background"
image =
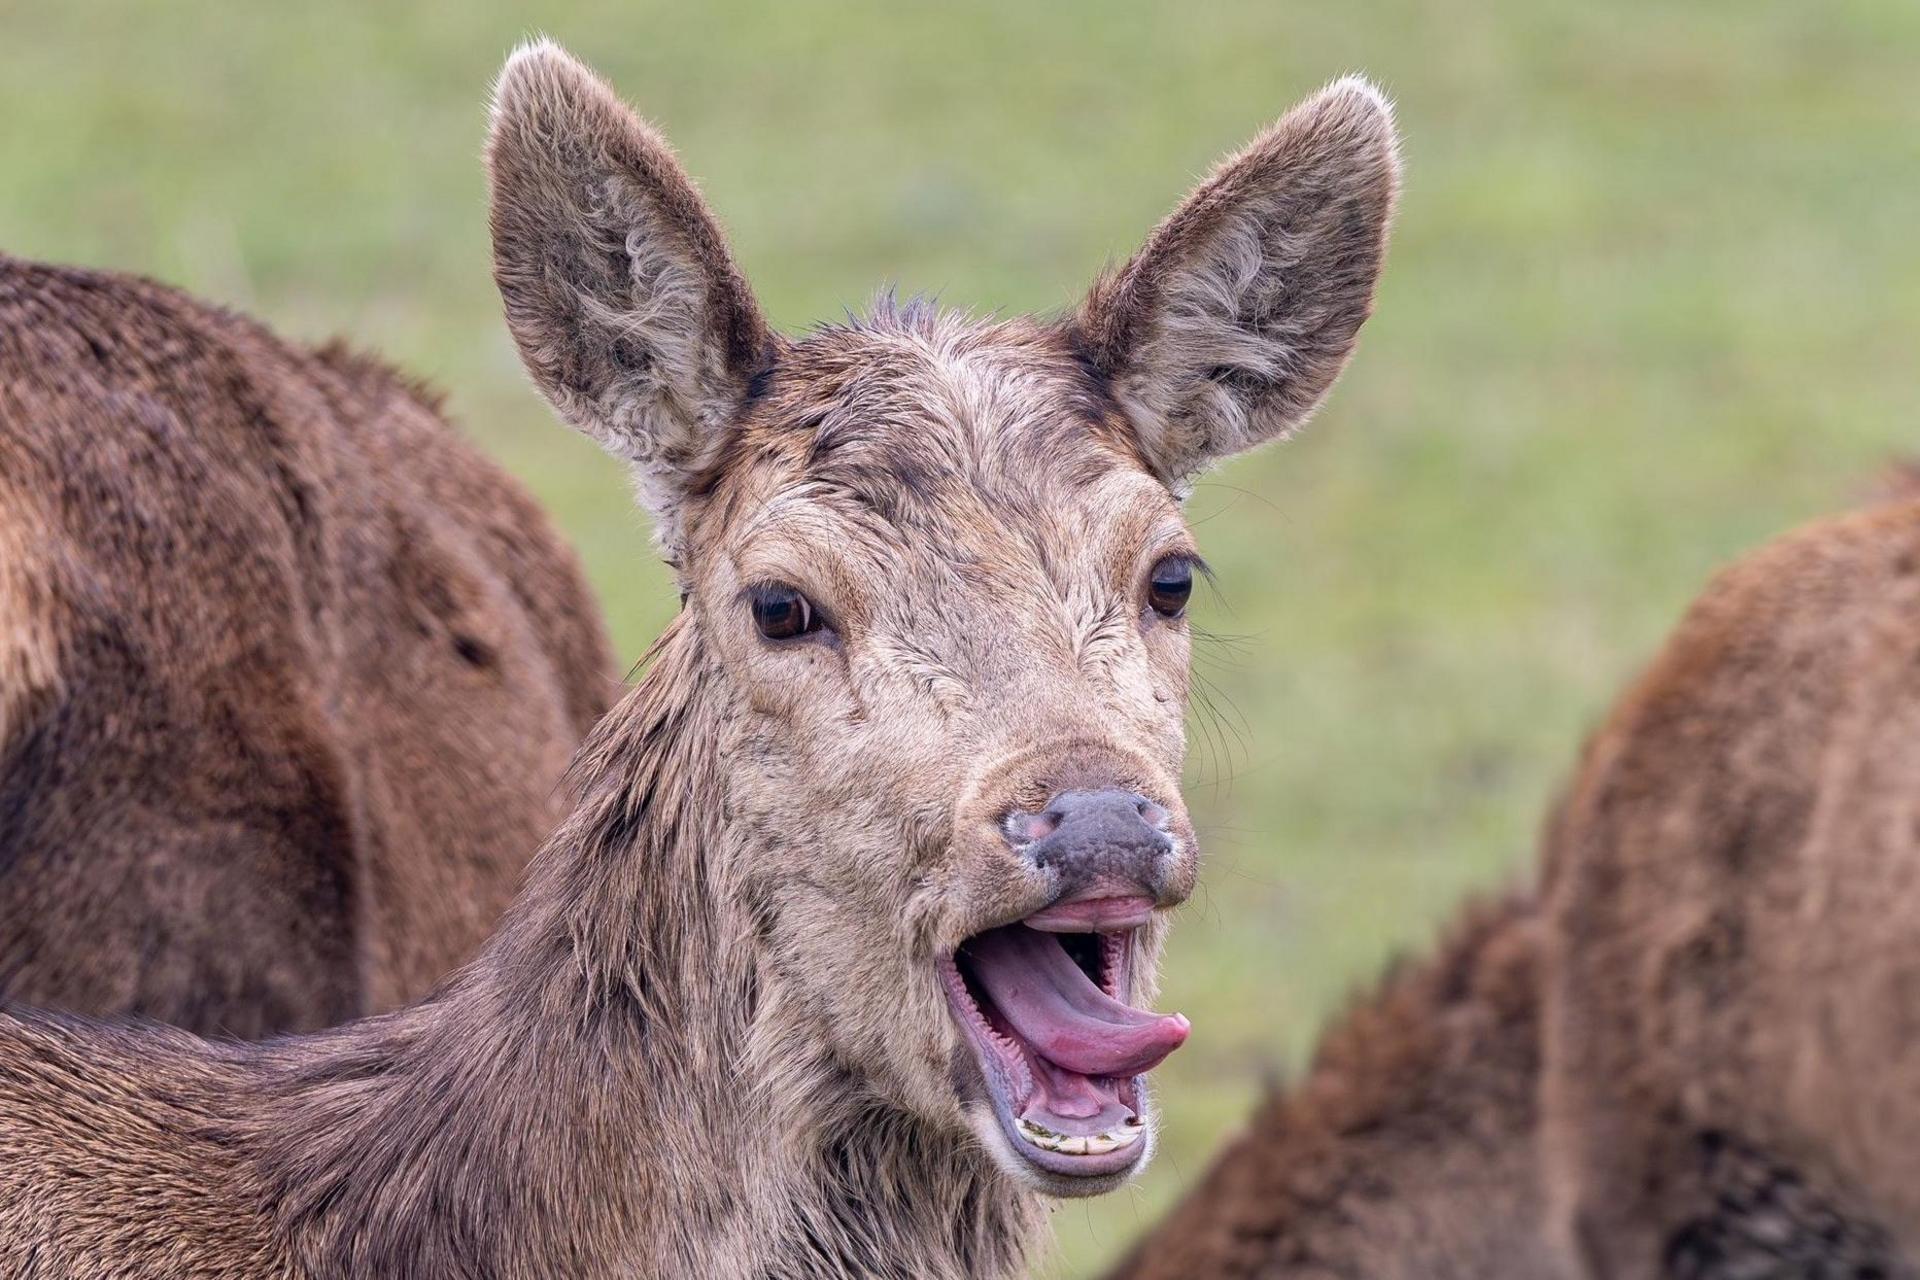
(1654, 295)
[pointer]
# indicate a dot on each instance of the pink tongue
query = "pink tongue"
(1059, 1011)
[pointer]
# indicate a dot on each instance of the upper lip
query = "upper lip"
(1093, 914)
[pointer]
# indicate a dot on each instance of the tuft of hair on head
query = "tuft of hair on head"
(1230, 325)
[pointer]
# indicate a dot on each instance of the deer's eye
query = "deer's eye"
(781, 613)
(1169, 585)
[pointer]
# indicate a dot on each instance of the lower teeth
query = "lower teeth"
(1095, 1144)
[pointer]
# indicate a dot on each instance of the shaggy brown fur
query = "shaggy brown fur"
(1731, 1035)
(1407, 1152)
(289, 673)
(711, 1038)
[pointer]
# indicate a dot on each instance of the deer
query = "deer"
(290, 673)
(1732, 976)
(843, 962)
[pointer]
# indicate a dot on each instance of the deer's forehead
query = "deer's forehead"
(944, 430)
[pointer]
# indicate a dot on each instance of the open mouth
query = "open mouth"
(1044, 1010)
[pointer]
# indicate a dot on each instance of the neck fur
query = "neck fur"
(616, 1085)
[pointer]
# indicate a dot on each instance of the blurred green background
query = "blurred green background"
(1654, 295)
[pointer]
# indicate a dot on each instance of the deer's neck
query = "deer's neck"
(590, 1097)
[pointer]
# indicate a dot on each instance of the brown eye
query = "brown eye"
(781, 613)
(1170, 585)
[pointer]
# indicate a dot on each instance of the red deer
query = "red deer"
(289, 673)
(839, 966)
(1730, 1042)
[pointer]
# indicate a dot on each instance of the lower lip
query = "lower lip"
(1104, 1165)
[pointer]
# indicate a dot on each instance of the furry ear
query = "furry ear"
(619, 289)
(1230, 326)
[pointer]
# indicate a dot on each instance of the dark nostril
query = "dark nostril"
(1026, 828)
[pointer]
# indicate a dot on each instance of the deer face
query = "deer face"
(943, 570)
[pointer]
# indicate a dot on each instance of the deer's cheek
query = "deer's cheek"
(803, 688)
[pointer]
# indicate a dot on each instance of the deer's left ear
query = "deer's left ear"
(1229, 327)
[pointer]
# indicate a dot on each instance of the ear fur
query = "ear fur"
(1229, 327)
(619, 289)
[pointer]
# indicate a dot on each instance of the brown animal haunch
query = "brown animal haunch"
(1730, 1048)
(289, 673)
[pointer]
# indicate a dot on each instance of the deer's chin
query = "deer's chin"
(1062, 1058)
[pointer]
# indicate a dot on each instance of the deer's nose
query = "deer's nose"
(1111, 850)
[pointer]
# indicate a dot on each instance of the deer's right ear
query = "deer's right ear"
(619, 289)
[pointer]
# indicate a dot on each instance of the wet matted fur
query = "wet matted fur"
(289, 673)
(711, 1037)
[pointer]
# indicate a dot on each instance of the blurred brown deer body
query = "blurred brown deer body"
(1730, 1047)
(1408, 1151)
(833, 969)
(289, 674)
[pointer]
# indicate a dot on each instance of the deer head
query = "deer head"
(941, 571)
